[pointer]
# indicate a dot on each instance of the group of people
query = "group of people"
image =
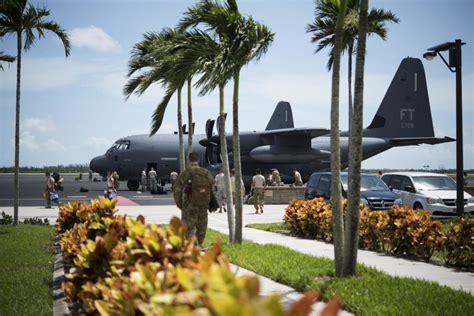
(196, 191)
(53, 185)
(150, 181)
(112, 184)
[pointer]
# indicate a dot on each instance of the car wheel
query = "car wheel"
(417, 206)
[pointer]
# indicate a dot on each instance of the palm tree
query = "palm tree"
(323, 28)
(5, 58)
(215, 75)
(351, 242)
(20, 18)
(338, 225)
(245, 40)
(159, 57)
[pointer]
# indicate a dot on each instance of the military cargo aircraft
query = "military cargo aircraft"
(403, 119)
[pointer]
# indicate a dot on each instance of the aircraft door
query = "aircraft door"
(153, 165)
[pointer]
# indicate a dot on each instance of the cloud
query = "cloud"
(37, 124)
(94, 38)
(27, 141)
(44, 74)
(98, 142)
(53, 145)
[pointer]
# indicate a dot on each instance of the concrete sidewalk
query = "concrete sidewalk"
(274, 213)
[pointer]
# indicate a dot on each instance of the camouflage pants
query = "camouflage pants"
(220, 196)
(195, 218)
(153, 184)
(258, 194)
(47, 197)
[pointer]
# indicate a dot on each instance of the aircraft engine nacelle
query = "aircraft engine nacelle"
(286, 155)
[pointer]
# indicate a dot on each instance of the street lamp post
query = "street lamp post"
(454, 65)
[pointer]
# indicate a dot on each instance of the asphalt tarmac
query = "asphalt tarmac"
(33, 186)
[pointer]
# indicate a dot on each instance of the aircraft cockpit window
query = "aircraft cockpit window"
(120, 145)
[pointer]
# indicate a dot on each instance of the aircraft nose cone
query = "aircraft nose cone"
(98, 164)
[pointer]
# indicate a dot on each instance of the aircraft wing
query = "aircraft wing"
(420, 140)
(292, 137)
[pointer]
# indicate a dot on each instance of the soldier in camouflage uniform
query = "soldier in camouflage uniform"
(258, 189)
(192, 194)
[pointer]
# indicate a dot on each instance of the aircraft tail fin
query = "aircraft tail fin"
(282, 117)
(405, 109)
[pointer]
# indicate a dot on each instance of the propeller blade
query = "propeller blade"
(208, 123)
(209, 128)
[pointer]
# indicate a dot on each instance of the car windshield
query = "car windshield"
(432, 183)
(368, 183)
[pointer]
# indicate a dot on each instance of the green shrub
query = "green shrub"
(6, 219)
(36, 221)
(460, 242)
(400, 230)
(124, 266)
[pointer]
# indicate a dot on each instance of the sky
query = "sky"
(73, 109)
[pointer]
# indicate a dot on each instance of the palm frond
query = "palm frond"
(159, 113)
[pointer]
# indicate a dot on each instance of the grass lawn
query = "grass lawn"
(26, 270)
(280, 227)
(369, 293)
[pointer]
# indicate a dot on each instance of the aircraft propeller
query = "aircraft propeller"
(211, 142)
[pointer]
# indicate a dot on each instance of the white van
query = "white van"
(433, 192)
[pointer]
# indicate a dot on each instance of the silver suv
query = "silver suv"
(433, 192)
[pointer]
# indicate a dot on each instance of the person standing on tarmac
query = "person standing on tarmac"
(111, 189)
(173, 177)
(193, 194)
(49, 189)
(143, 182)
(258, 189)
(152, 176)
(220, 190)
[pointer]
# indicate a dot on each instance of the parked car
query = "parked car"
(433, 192)
(374, 192)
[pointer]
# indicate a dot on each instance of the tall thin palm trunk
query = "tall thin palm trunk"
(337, 218)
(355, 156)
(182, 164)
(16, 198)
(349, 84)
(190, 119)
(225, 166)
(237, 162)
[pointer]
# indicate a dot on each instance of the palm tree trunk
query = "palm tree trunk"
(349, 84)
(225, 166)
(355, 156)
(190, 119)
(182, 164)
(337, 219)
(16, 197)
(236, 156)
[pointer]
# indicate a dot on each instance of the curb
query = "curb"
(60, 307)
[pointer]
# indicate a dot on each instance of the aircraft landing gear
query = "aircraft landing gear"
(133, 185)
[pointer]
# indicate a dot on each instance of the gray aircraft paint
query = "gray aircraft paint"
(403, 119)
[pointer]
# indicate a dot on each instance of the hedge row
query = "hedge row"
(122, 266)
(399, 231)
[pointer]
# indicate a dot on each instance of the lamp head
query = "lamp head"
(429, 55)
